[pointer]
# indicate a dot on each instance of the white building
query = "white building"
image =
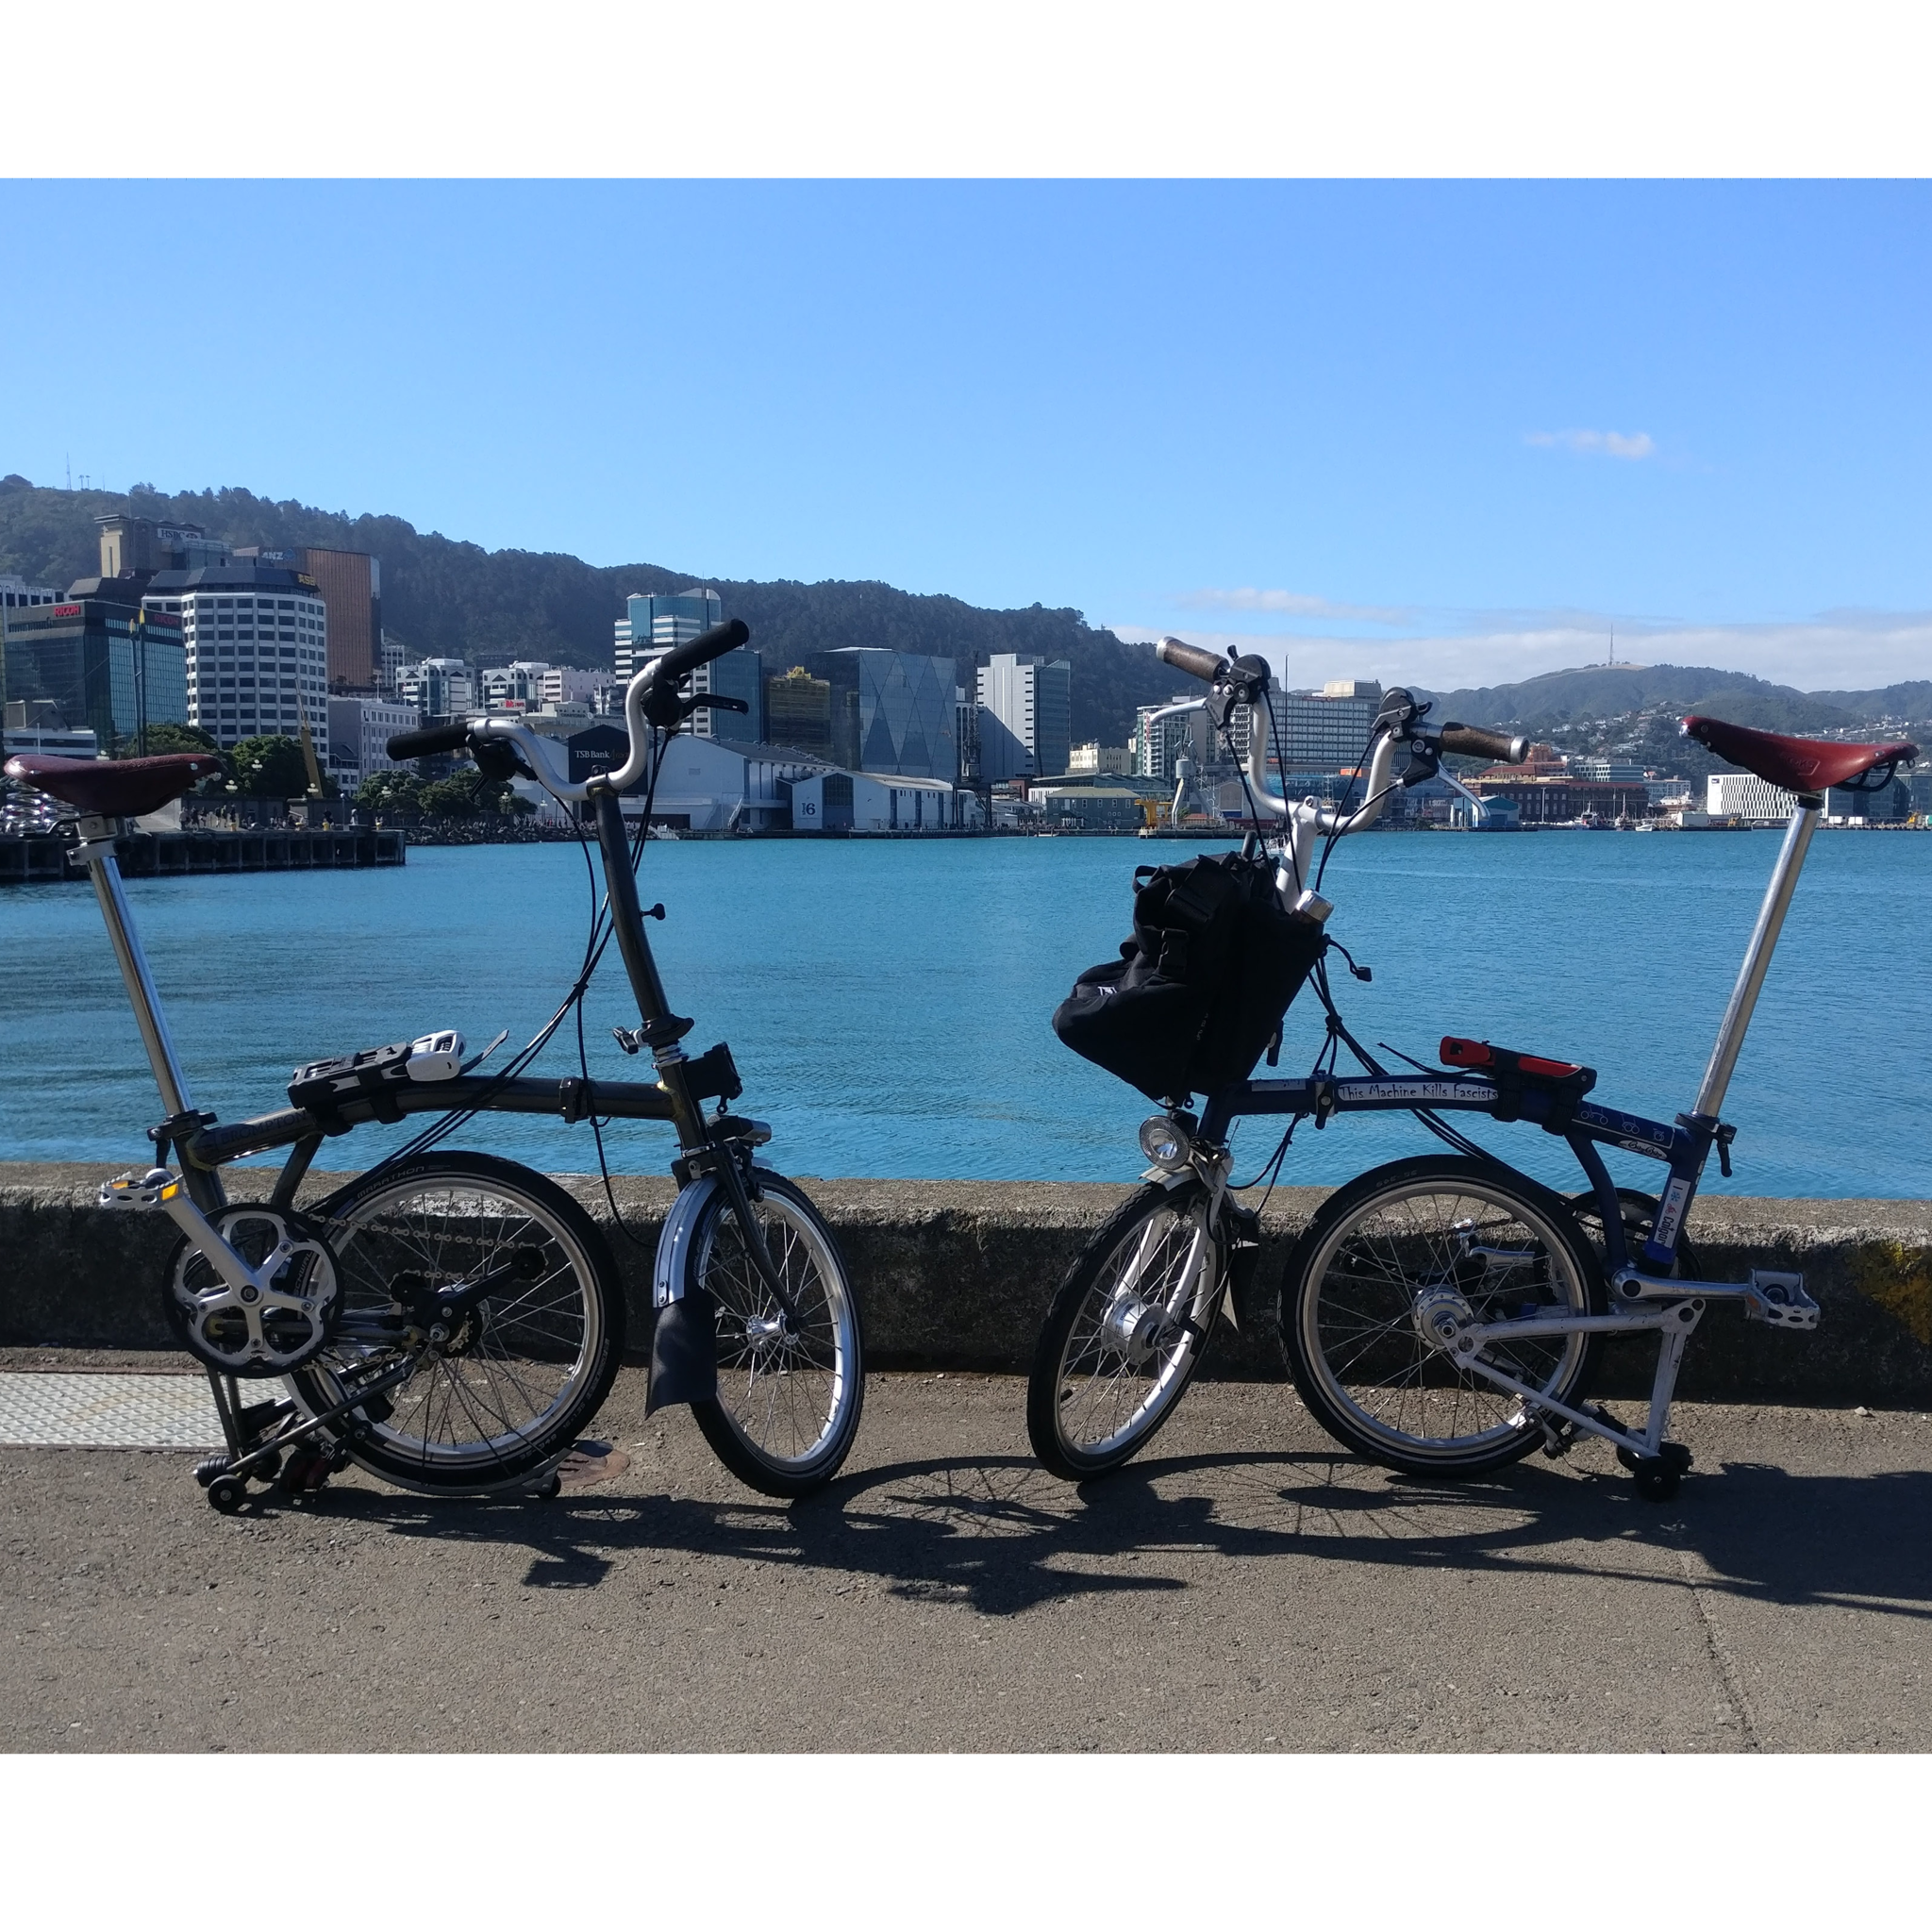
(393, 657)
(17, 593)
(1096, 759)
(564, 684)
(359, 729)
(866, 802)
(517, 687)
(1745, 796)
(254, 641)
(1026, 718)
(438, 688)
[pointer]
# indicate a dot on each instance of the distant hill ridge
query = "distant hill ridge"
(1544, 704)
(446, 598)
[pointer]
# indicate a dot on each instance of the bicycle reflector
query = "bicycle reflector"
(1164, 1142)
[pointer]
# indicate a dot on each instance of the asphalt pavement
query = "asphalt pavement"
(1245, 1586)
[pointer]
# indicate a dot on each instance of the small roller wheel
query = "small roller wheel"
(227, 1494)
(547, 1490)
(1656, 1477)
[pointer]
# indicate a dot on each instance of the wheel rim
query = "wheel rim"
(1359, 1327)
(1135, 1335)
(784, 1394)
(521, 1364)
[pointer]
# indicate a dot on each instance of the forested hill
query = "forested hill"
(1603, 691)
(444, 598)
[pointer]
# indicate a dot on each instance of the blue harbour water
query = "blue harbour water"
(888, 1002)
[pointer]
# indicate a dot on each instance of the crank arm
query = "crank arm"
(299, 1432)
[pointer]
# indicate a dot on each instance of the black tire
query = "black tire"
(227, 1494)
(787, 1406)
(1349, 1312)
(519, 1382)
(1113, 1360)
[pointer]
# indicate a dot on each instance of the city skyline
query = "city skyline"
(1444, 433)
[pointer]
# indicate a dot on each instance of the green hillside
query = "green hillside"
(444, 598)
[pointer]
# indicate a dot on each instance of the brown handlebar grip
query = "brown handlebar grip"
(1189, 657)
(1474, 742)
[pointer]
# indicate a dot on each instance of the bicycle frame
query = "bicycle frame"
(1647, 1293)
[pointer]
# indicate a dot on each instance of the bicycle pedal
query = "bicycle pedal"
(149, 1190)
(1779, 1300)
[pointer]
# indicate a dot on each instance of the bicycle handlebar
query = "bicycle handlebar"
(419, 744)
(1476, 742)
(714, 643)
(1191, 659)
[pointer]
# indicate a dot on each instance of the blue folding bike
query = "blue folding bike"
(1443, 1314)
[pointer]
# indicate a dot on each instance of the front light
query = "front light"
(1163, 1142)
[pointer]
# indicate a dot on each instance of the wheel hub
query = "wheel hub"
(1133, 1328)
(1443, 1316)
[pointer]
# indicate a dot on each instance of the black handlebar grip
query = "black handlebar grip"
(1188, 658)
(419, 744)
(1474, 742)
(714, 643)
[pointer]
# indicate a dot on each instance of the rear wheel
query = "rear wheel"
(789, 1395)
(1404, 1246)
(1125, 1332)
(525, 1364)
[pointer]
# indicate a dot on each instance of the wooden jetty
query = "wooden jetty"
(41, 857)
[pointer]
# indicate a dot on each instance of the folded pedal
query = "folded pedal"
(1779, 1300)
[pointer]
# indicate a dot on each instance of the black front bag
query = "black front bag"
(1199, 989)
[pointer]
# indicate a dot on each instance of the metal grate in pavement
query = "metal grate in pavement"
(42, 1411)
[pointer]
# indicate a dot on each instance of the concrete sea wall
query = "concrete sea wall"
(957, 1275)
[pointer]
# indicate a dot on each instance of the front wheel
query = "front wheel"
(1401, 1250)
(789, 1393)
(1125, 1332)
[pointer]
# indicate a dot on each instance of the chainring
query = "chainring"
(247, 1333)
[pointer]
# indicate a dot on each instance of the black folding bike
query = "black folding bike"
(451, 1321)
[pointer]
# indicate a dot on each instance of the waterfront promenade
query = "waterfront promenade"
(1245, 1586)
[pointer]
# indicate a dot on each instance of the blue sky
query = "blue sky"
(1449, 432)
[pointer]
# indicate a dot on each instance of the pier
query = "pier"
(40, 859)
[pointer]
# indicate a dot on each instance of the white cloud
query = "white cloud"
(1290, 604)
(1594, 443)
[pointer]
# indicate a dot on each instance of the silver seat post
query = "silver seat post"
(1771, 919)
(97, 848)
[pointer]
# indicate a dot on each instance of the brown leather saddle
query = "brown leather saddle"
(114, 787)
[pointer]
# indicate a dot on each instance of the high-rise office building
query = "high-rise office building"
(109, 666)
(651, 625)
(255, 637)
(1026, 718)
(1327, 730)
(798, 712)
(350, 585)
(894, 712)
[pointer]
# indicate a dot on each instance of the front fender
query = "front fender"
(674, 1243)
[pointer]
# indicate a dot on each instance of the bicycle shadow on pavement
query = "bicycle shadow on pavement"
(1000, 1536)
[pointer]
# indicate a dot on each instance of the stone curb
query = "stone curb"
(957, 1275)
